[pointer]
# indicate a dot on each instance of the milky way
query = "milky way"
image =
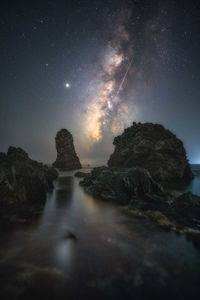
(90, 45)
(105, 109)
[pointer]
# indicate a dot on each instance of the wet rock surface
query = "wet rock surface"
(185, 209)
(110, 251)
(121, 185)
(145, 198)
(23, 186)
(66, 154)
(154, 148)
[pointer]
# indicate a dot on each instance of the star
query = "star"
(67, 85)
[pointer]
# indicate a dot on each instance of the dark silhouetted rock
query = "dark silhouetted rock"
(154, 148)
(81, 174)
(51, 174)
(153, 202)
(23, 184)
(120, 185)
(66, 155)
(186, 210)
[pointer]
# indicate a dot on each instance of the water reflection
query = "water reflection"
(64, 190)
(84, 248)
(194, 186)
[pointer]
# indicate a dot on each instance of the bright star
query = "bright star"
(67, 85)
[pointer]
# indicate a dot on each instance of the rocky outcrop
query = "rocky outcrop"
(121, 185)
(23, 184)
(81, 174)
(66, 155)
(154, 148)
(144, 198)
(185, 209)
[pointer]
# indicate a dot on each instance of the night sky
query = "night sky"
(94, 67)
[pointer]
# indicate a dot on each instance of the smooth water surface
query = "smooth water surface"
(194, 186)
(83, 248)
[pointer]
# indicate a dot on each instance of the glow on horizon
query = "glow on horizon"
(195, 162)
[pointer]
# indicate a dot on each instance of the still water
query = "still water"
(83, 248)
(194, 186)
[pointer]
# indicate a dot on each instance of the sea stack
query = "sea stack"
(66, 154)
(154, 148)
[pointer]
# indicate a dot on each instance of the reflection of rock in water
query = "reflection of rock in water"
(64, 187)
(63, 183)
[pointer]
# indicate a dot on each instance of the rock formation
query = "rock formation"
(154, 148)
(66, 155)
(146, 158)
(142, 197)
(185, 209)
(80, 174)
(23, 184)
(121, 185)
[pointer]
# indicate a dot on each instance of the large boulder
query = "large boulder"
(66, 155)
(121, 185)
(154, 148)
(23, 183)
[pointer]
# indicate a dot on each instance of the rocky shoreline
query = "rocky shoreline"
(23, 187)
(148, 161)
(139, 195)
(24, 183)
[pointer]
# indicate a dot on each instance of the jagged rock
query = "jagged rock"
(186, 210)
(66, 155)
(120, 185)
(51, 174)
(23, 183)
(154, 148)
(180, 214)
(153, 202)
